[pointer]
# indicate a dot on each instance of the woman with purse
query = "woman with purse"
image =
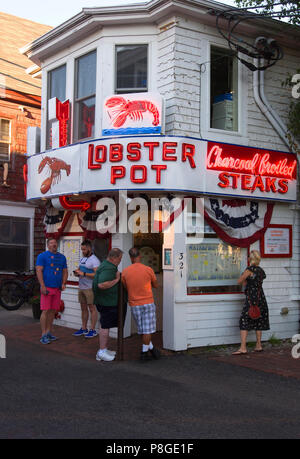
(255, 314)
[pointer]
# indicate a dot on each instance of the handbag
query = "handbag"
(254, 310)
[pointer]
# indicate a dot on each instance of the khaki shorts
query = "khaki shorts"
(86, 296)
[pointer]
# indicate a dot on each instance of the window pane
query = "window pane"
(57, 83)
(4, 130)
(20, 232)
(4, 229)
(13, 258)
(132, 63)
(214, 267)
(224, 90)
(86, 75)
(86, 118)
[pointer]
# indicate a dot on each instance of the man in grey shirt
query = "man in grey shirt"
(86, 272)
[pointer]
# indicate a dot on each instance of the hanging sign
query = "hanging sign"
(166, 163)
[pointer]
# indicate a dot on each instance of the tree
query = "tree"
(284, 9)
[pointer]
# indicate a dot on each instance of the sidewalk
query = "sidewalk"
(274, 359)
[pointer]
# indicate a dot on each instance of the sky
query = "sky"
(55, 12)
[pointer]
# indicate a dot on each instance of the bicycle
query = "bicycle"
(15, 291)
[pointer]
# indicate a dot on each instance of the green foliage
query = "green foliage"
(288, 10)
(293, 124)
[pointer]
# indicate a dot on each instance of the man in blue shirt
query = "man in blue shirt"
(52, 273)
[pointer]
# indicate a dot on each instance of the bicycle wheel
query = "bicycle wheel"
(12, 294)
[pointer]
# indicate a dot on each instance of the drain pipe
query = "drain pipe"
(263, 104)
(265, 108)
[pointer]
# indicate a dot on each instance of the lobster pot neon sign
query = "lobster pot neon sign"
(137, 113)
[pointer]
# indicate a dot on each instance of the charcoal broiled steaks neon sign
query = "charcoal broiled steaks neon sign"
(250, 168)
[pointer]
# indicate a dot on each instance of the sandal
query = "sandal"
(239, 353)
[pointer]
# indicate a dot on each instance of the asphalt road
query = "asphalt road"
(45, 394)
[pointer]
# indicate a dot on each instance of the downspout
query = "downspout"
(264, 106)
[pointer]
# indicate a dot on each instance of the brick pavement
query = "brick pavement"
(277, 360)
(78, 346)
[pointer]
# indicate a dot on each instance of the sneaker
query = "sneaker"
(145, 356)
(45, 340)
(51, 337)
(155, 353)
(105, 356)
(91, 334)
(81, 332)
(111, 352)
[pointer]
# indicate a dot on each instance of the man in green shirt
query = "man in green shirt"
(105, 287)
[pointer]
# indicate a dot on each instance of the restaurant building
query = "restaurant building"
(142, 103)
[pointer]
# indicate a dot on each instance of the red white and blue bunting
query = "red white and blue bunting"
(238, 222)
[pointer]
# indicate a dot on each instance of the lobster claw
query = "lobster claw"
(43, 164)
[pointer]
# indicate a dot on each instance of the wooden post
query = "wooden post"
(120, 353)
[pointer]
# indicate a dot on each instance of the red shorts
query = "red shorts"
(52, 300)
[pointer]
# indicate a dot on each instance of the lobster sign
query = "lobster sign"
(132, 113)
(55, 166)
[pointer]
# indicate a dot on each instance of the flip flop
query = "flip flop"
(239, 353)
(258, 350)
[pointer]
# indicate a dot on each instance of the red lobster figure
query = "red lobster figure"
(119, 108)
(56, 166)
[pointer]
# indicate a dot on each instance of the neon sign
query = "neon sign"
(250, 169)
(59, 115)
(135, 152)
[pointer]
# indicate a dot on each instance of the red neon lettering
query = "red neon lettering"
(245, 182)
(224, 182)
(270, 184)
(167, 151)
(283, 186)
(235, 178)
(158, 169)
(232, 158)
(63, 115)
(188, 152)
(100, 156)
(151, 146)
(134, 151)
(117, 172)
(258, 183)
(134, 169)
(115, 152)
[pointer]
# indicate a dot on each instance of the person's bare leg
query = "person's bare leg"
(243, 346)
(94, 315)
(258, 346)
(103, 338)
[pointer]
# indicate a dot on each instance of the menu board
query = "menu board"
(277, 241)
(71, 249)
(214, 263)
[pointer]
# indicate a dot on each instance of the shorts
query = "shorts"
(108, 316)
(145, 318)
(86, 296)
(52, 300)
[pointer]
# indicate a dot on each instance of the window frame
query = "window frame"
(121, 91)
(210, 236)
(219, 135)
(76, 101)
(6, 160)
(13, 245)
(48, 97)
